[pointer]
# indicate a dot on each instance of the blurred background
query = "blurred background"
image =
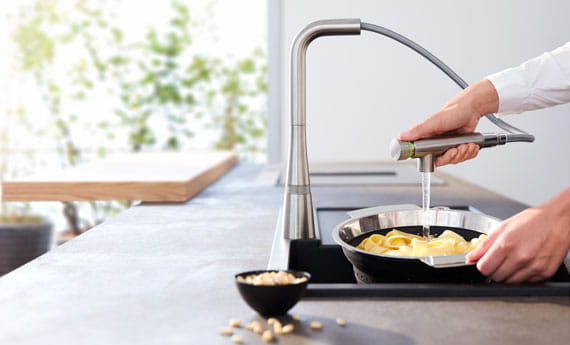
(82, 79)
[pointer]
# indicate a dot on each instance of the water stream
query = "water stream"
(426, 181)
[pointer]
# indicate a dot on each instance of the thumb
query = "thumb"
(483, 247)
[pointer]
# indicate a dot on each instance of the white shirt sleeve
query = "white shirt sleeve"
(539, 83)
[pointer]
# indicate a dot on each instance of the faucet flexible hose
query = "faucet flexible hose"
(514, 134)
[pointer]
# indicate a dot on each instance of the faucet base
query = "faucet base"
(298, 218)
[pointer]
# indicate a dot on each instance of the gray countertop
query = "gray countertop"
(163, 274)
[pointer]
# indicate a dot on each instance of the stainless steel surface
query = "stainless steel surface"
(347, 231)
(444, 261)
(298, 213)
(426, 163)
(400, 150)
(298, 219)
(436, 146)
(280, 248)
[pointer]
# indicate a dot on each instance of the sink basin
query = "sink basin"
(317, 256)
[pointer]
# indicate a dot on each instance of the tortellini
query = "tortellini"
(401, 243)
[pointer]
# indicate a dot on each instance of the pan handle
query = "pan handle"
(365, 212)
(456, 260)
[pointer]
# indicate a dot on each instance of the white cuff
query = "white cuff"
(512, 90)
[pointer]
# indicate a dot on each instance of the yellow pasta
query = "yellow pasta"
(400, 243)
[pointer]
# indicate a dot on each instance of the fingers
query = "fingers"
(472, 151)
(509, 267)
(447, 157)
(458, 154)
(416, 132)
(539, 269)
(503, 262)
(492, 260)
(456, 116)
(483, 247)
(523, 275)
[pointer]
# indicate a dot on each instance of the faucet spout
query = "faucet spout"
(298, 222)
(426, 163)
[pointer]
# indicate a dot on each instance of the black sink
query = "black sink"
(332, 274)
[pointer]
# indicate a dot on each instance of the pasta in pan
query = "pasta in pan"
(401, 243)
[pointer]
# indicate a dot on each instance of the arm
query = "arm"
(528, 246)
(538, 83)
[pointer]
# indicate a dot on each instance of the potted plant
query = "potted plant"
(23, 237)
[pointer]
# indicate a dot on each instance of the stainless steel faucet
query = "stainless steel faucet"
(297, 217)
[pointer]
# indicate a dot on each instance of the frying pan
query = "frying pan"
(372, 268)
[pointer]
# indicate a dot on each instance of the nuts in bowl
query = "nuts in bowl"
(272, 292)
(272, 278)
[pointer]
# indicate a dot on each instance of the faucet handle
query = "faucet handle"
(400, 150)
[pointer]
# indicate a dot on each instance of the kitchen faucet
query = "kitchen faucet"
(298, 217)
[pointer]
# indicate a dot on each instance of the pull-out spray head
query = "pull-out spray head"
(426, 149)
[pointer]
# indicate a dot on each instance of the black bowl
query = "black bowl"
(272, 300)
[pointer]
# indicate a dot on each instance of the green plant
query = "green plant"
(241, 126)
(159, 89)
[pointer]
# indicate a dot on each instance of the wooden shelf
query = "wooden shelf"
(156, 176)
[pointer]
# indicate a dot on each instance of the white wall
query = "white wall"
(362, 91)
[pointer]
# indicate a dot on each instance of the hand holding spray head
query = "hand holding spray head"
(426, 149)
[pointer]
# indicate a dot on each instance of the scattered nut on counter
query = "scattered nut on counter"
(226, 331)
(237, 339)
(267, 336)
(249, 326)
(277, 328)
(316, 325)
(289, 328)
(236, 323)
(255, 327)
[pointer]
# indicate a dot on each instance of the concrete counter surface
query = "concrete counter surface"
(163, 274)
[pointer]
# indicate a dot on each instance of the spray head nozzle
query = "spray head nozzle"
(427, 149)
(426, 163)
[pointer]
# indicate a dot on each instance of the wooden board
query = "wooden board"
(156, 176)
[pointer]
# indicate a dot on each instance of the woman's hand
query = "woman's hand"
(528, 246)
(460, 115)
